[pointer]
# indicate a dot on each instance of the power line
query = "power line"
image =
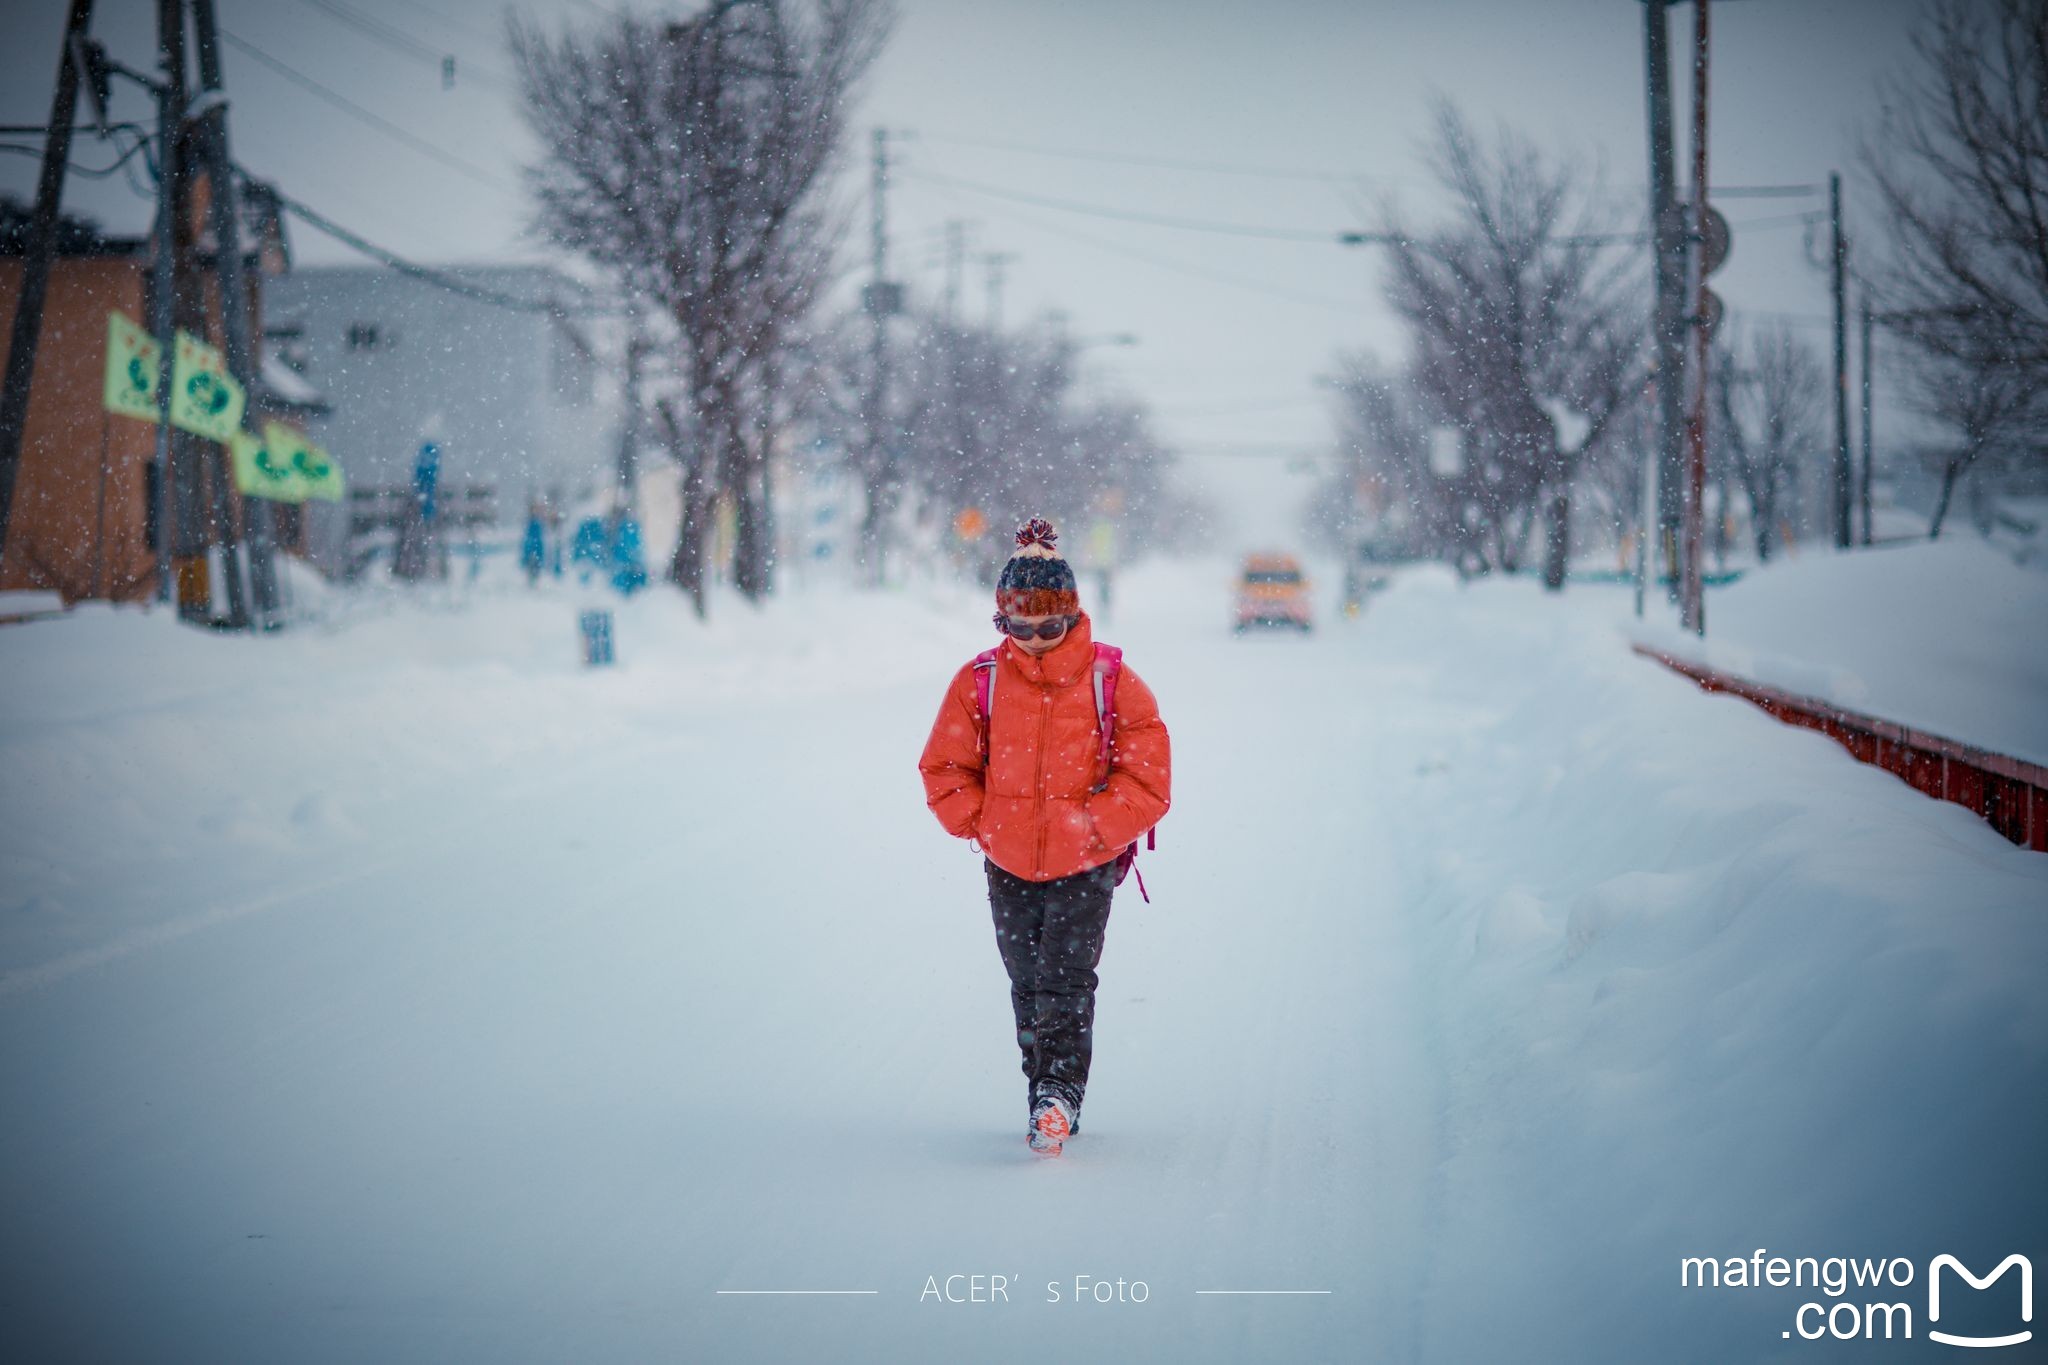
(1291, 234)
(1346, 178)
(1195, 272)
(1099, 211)
(383, 125)
(1762, 191)
(398, 40)
(43, 129)
(1163, 162)
(1423, 244)
(1591, 238)
(111, 133)
(89, 172)
(395, 39)
(426, 274)
(1233, 229)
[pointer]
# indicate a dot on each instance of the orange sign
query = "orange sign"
(970, 524)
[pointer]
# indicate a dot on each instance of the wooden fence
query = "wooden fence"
(2010, 793)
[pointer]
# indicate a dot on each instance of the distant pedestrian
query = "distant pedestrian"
(533, 548)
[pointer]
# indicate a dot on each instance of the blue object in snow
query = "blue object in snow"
(590, 547)
(533, 548)
(627, 574)
(597, 637)
(426, 476)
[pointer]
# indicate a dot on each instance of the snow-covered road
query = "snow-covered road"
(510, 1013)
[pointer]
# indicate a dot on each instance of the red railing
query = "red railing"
(2010, 793)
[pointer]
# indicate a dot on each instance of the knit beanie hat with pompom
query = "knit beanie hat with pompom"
(1036, 581)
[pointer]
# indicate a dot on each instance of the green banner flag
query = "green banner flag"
(261, 472)
(204, 399)
(319, 476)
(133, 358)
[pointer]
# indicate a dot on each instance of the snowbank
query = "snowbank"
(1944, 636)
(1710, 985)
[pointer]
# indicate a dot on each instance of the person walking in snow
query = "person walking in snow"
(533, 547)
(1018, 763)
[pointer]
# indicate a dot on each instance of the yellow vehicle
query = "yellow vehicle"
(1272, 591)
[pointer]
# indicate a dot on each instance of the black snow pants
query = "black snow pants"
(1051, 934)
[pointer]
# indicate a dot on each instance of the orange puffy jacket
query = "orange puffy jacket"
(1034, 809)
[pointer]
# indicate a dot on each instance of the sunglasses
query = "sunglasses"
(1043, 630)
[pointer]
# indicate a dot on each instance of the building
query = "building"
(512, 397)
(83, 520)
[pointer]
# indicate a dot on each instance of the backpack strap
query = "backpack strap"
(1109, 664)
(984, 695)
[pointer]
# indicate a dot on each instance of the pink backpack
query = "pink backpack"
(1109, 663)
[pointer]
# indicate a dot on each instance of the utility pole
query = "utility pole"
(883, 300)
(203, 461)
(258, 513)
(1668, 326)
(637, 347)
(199, 466)
(878, 313)
(1646, 490)
(996, 263)
(1863, 477)
(163, 322)
(956, 267)
(1693, 601)
(35, 265)
(956, 261)
(1840, 254)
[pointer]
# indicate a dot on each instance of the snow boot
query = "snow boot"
(1073, 1113)
(1051, 1122)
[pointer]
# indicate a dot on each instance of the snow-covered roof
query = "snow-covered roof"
(285, 385)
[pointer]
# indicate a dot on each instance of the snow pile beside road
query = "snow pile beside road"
(1710, 984)
(1946, 636)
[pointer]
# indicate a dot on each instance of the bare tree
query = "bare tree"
(1960, 161)
(688, 157)
(1770, 395)
(1985, 410)
(1526, 322)
(1386, 440)
(994, 420)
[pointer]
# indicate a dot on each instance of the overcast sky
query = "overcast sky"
(1295, 116)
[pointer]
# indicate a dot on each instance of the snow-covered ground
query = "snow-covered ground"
(396, 989)
(1947, 636)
